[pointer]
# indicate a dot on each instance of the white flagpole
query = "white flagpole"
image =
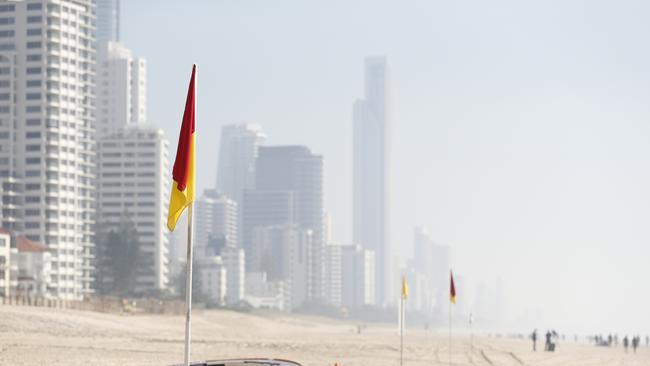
(450, 332)
(401, 332)
(188, 285)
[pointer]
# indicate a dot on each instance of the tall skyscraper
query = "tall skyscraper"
(121, 87)
(108, 20)
(237, 156)
(288, 190)
(215, 222)
(47, 130)
(371, 172)
(134, 180)
(296, 169)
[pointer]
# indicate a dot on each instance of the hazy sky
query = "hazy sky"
(520, 131)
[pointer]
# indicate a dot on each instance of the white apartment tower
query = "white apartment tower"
(121, 87)
(47, 69)
(215, 223)
(371, 173)
(133, 180)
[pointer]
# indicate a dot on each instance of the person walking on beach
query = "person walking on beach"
(647, 341)
(547, 345)
(534, 338)
(626, 343)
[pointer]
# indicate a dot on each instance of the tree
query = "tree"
(119, 259)
(180, 283)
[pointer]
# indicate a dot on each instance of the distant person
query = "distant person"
(547, 345)
(635, 343)
(534, 338)
(609, 340)
(626, 343)
(647, 341)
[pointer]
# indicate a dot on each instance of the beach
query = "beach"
(46, 336)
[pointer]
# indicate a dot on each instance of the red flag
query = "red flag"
(182, 193)
(452, 288)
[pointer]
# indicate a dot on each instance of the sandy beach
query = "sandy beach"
(43, 336)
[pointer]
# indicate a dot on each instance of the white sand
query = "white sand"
(41, 336)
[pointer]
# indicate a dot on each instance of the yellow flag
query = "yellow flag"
(182, 193)
(405, 288)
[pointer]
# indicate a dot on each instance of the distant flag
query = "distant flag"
(405, 288)
(182, 193)
(452, 288)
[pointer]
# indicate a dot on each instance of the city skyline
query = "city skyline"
(525, 154)
(510, 144)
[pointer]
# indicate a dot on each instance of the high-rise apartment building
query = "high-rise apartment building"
(121, 88)
(297, 171)
(47, 60)
(358, 273)
(334, 274)
(371, 172)
(215, 222)
(237, 157)
(133, 183)
(236, 165)
(108, 20)
(282, 252)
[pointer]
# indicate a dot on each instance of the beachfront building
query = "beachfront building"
(47, 58)
(134, 181)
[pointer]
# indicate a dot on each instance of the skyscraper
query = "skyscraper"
(371, 172)
(47, 132)
(237, 156)
(215, 222)
(288, 190)
(133, 181)
(121, 87)
(108, 20)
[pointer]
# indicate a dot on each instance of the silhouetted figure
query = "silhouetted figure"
(635, 343)
(534, 338)
(626, 343)
(549, 346)
(647, 341)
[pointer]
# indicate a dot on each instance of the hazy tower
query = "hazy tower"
(371, 138)
(108, 21)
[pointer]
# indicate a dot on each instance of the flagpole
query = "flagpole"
(401, 330)
(188, 285)
(449, 333)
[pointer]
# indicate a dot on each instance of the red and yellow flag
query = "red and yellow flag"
(183, 174)
(452, 288)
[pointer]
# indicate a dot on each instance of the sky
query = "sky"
(519, 134)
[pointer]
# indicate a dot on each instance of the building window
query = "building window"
(33, 109)
(32, 45)
(34, 6)
(7, 47)
(34, 70)
(34, 32)
(37, 57)
(7, 8)
(5, 21)
(34, 19)
(7, 33)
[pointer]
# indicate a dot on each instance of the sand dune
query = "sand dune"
(41, 336)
